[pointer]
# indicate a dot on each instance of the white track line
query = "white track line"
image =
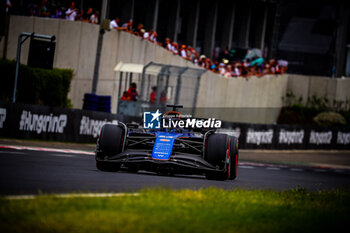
(77, 195)
(243, 166)
(63, 155)
(67, 151)
(12, 152)
(254, 164)
(296, 169)
(273, 168)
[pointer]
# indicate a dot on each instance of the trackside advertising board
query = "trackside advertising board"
(50, 123)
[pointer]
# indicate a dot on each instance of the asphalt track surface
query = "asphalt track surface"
(32, 172)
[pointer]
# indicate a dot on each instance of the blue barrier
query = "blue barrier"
(90, 102)
(104, 103)
(95, 102)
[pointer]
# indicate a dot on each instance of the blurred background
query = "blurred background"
(256, 61)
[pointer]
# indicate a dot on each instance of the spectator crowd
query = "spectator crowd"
(225, 64)
(58, 11)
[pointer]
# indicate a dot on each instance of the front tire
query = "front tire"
(110, 143)
(111, 139)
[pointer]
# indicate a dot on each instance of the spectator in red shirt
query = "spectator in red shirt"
(153, 95)
(132, 92)
(125, 96)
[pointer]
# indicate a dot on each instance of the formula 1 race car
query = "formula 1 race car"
(167, 151)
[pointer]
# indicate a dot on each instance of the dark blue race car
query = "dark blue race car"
(167, 151)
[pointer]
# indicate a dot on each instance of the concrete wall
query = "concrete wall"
(243, 100)
(307, 86)
(17, 25)
(256, 100)
(76, 44)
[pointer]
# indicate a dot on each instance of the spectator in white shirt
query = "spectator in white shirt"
(175, 48)
(183, 52)
(114, 24)
(94, 18)
(146, 35)
(168, 45)
(71, 12)
(153, 36)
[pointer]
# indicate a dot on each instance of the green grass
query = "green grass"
(164, 210)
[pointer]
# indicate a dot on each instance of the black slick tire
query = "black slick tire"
(216, 155)
(222, 152)
(110, 143)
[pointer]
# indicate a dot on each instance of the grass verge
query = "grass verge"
(165, 210)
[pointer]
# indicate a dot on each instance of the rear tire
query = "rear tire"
(233, 157)
(216, 155)
(218, 147)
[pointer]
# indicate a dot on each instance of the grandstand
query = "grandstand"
(209, 26)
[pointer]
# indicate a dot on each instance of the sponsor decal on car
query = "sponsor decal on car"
(164, 140)
(163, 147)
